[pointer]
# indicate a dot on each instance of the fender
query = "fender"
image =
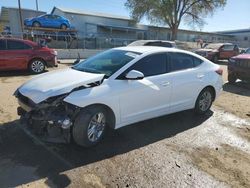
(102, 94)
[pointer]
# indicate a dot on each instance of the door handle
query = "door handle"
(165, 84)
(200, 76)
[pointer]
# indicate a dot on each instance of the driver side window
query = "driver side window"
(228, 48)
(150, 66)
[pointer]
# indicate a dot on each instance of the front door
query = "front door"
(148, 97)
(3, 54)
(18, 55)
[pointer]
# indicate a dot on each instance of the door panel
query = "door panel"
(17, 59)
(3, 51)
(18, 55)
(186, 85)
(187, 80)
(146, 98)
(3, 60)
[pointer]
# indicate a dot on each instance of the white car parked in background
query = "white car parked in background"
(115, 88)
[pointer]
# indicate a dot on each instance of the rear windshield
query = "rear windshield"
(213, 46)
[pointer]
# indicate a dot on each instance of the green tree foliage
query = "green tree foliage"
(172, 12)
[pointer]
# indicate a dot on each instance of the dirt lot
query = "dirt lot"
(178, 150)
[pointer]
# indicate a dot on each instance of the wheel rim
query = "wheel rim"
(96, 126)
(205, 101)
(36, 24)
(37, 66)
(63, 26)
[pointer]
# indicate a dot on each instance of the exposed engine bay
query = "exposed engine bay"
(51, 119)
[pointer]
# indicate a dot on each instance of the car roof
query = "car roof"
(145, 49)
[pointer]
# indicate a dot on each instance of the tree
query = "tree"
(172, 12)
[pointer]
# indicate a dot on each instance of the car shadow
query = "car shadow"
(239, 88)
(21, 151)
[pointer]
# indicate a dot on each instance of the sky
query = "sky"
(235, 15)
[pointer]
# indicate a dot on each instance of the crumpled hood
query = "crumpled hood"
(56, 83)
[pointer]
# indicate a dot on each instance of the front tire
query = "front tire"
(37, 66)
(63, 26)
(36, 24)
(204, 101)
(90, 125)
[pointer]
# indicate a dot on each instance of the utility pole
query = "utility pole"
(20, 16)
(36, 5)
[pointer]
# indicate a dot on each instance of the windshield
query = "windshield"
(107, 62)
(248, 51)
(138, 43)
(213, 46)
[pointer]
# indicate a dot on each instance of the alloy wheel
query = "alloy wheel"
(96, 127)
(205, 101)
(37, 66)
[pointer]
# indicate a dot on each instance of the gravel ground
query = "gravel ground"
(178, 150)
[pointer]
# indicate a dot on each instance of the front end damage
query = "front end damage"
(42, 106)
(51, 119)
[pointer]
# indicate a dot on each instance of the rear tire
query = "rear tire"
(90, 125)
(231, 78)
(37, 66)
(36, 24)
(204, 101)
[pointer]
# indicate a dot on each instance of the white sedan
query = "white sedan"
(116, 88)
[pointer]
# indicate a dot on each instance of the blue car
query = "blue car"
(49, 21)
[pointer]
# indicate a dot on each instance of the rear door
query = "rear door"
(18, 54)
(187, 80)
(3, 54)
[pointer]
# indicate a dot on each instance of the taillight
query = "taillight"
(219, 71)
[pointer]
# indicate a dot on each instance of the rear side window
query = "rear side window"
(151, 65)
(161, 44)
(17, 45)
(166, 44)
(181, 61)
(228, 47)
(2, 44)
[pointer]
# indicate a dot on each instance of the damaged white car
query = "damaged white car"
(115, 88)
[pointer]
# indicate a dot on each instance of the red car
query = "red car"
(18, 54)
(218, 51)
(239, 67)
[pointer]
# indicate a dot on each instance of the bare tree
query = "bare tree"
(172, 12)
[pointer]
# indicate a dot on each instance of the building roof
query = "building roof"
(235, 31)
(193, 31)
(121, 27)
(90, 13)
(23, 9)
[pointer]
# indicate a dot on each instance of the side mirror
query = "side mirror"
(134, 75)
(76, 61)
